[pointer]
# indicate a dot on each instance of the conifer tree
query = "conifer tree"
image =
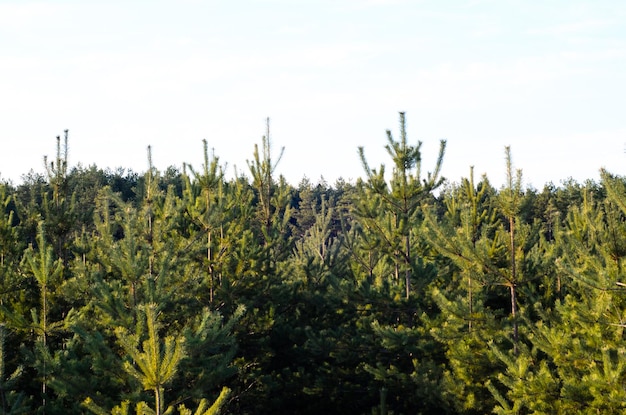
(47, 271)
(205, 208)
(490, 246)
(468, 218)
(154, 364)
(307, 207)
(273, 204)
(509, 205)
(262, 169)
(211, 349)
(466, 324)
(127, 259)
(318, 252)
(575, 360)
(59, 206)
(391, 209)
(321, 334)
(140, 250)
(494, 258)
(365, 252)
(386, 244)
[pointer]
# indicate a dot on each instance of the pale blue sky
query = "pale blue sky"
(547, 78)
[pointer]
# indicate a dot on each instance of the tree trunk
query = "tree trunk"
(407, 260)
(513, 284)
(514, 316)
(158, 400)
(471, 301)
(210, 266)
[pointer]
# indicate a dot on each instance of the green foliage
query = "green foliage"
(204, 408)
(169, 292)
(11, 247)
(389, 211)
(12, 402)
(154, 364)
(205, 206)
(143, 409)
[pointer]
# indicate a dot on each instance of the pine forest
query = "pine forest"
(186, 292)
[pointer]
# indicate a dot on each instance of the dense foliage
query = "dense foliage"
(186, 292)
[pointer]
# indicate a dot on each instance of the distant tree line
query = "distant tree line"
(185, 292)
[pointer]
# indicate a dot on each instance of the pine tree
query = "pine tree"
(391, 210)
(466, 324)
(318, 253)
(206, 209)
(211, 349)
(510, 205)
(575, 362)
(47, 271)
(154, 364)
(59, 206)
(262, 169)
(386, 244)
(140, 251)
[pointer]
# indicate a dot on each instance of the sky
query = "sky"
(547, 78)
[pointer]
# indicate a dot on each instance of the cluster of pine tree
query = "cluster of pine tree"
(182, 292)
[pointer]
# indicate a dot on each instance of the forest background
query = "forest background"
(186, 292)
